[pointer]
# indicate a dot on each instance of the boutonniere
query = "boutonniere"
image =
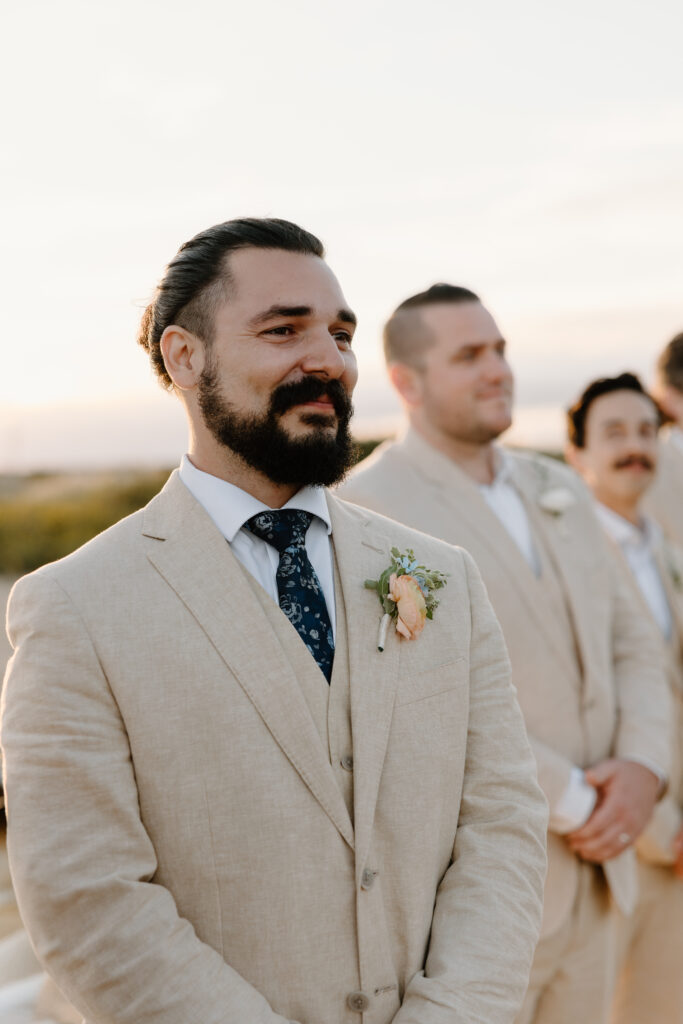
(556, 500)
(406, 593)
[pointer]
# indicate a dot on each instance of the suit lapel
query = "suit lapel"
(670, 567)
(466, 505)
(363, 553)
(561, 548)
(189, 552)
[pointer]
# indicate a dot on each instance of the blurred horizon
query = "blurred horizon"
(533, 154)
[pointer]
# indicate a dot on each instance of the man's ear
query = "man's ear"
(572, 456)
(184, 356)
(407, 380)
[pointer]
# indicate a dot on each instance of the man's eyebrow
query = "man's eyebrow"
(278, 312)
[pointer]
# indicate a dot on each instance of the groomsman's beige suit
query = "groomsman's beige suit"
(201, 829)
(651, 985)
(664, 500)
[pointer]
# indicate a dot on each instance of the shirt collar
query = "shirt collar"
(624, 533)
(230, 507)
(503, 471)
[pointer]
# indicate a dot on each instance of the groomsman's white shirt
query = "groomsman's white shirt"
(578, 800)
(229, 507)
(676, 435)
(638, 546)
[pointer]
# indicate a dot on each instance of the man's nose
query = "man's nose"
(323, 356)
(496, 367)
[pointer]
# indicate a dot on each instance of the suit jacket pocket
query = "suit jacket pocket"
(430, 682)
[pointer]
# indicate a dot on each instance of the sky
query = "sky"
(531, 152)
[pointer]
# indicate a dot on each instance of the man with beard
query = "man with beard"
(584, 661)
(226, 804)
(613, 431)
(665, 499)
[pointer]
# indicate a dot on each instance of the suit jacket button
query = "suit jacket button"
(347, 763)
(357, 1001)
(367, 879)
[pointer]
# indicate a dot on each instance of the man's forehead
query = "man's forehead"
(462, 322)
(623, 406)
(270, 277)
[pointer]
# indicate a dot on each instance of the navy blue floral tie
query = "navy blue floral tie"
(301, 596)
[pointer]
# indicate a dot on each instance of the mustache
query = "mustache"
(634, 460)
(310, 389)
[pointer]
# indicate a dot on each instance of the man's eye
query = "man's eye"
(283, 331)
(344, 337)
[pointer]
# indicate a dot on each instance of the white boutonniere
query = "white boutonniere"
(406, 593)
(556, 501)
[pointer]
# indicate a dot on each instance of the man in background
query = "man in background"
(613, 429)
(665, 498)
(585, 661)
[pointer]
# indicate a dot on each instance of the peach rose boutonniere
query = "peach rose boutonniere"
(406, 593)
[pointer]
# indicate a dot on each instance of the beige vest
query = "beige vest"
(329, 705)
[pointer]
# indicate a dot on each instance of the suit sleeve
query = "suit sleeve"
(488, 909)
(82, 863)
(655, 844)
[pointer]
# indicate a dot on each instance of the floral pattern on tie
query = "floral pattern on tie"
(300, 594)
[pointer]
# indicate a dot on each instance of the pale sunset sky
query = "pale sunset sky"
(530, 151)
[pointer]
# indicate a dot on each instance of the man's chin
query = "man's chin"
(495, 426)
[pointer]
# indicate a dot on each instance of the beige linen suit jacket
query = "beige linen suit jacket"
(180, 841)
(590, 689)
(665, 499)
(656, 843)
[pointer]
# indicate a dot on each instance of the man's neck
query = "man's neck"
(478, 461)
(627, 510)
(228, 466)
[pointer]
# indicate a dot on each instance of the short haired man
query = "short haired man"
(612, 430)
(665, 499)
(225, 803)
(583, 660)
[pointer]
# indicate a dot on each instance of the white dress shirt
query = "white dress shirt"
(503, 499)
(230, 507)
(638, 546)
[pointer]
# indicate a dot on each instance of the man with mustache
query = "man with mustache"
(613, 429)
(226, 805)
(584, 661)
(665, 498)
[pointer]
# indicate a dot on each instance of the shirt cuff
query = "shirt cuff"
(575, 806)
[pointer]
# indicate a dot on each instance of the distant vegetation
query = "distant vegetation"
(51, 516)
(45, 516)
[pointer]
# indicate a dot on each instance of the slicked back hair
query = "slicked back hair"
(406, 335)
(670, 364)
(197, 279)
(578, 413)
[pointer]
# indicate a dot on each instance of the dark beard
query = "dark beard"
(321, 459)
